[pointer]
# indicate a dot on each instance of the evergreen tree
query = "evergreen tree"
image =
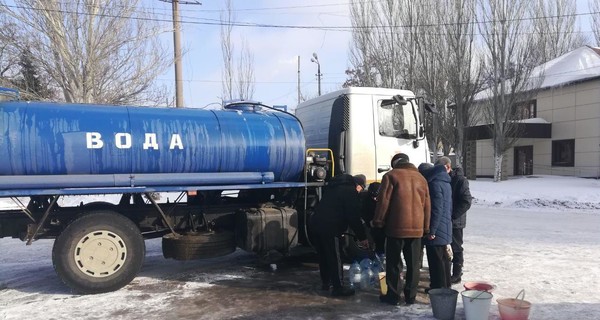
(29, 81)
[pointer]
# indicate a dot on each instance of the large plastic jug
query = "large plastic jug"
(366, 263)
(354, 275)
(366, 279)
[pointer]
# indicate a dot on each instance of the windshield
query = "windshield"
(397, 120)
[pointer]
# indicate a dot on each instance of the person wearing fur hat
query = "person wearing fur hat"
(403, 210)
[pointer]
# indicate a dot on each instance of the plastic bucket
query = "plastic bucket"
(479, 285)
(477, 304)
(443, 303)
(514, 309)
(382, 284)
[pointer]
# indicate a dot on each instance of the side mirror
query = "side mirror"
(400, 100)
(430, 107)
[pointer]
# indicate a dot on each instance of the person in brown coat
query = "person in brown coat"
(403, 210)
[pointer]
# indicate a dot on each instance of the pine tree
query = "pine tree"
(28, 81)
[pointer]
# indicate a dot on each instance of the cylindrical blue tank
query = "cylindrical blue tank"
(78, 139)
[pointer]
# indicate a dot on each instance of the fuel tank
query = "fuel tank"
(49, 139)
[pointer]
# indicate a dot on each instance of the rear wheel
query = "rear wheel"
(100, 251)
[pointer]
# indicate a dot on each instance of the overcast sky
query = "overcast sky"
(275, 48)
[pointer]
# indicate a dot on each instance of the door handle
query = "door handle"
(380, 170)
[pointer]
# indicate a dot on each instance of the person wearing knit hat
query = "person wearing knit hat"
(338, 210)
(360, 180)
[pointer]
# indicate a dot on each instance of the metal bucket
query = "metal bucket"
(443, 303)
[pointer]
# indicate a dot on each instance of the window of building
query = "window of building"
(563, 153)
(525, 110)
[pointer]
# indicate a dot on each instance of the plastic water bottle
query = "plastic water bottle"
(366, 263)
(381, 258)
(366, 278)
(354, 275)
(374, 279)
(376, 268)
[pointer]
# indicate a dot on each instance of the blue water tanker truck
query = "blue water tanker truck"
(205, 181)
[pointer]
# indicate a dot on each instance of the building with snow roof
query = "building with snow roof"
(559, 129)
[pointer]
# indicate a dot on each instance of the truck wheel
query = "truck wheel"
(100, 251)
(200, 245)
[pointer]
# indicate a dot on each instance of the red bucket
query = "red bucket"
(479, 285)
(514, 309)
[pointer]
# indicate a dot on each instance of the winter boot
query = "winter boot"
(456, 273)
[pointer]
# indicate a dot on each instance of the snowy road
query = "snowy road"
(553, 255)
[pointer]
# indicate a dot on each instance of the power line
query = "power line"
(215, 22)
(258, 82)
(339, 4)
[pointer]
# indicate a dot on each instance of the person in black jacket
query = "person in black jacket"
(461, 202)
(338, 209)
(369, 201)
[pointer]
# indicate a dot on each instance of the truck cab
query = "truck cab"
(365, 127)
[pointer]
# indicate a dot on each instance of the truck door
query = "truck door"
(384, 145)
(394, 131)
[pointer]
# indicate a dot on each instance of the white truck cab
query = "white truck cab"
(365, 127)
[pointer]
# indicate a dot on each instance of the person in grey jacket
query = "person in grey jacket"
(461, 202)
(440, 227)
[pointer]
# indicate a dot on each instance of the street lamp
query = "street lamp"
(315, 59)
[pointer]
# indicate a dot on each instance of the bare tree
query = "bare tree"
(555, 27)
(241, 84)
(227, 48)
(510, 58)
(594, 6)
(245, 74)
(429, 77)
(362, 50)
(462, 68)
(385, 34)
(426, 46)
(103, 51)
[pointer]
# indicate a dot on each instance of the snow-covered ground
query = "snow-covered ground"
(539, 193)
(538, 233)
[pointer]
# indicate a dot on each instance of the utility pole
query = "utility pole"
(315, 59)
(177, 50)
(298, 79)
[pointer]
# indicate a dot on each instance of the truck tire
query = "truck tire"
(200, 245)
(100, 251)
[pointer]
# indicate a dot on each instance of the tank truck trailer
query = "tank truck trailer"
(246, 176)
